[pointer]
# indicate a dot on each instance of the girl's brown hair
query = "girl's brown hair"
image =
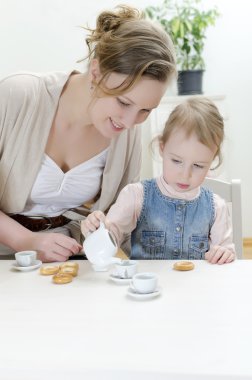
(126, 43)
(199, 116)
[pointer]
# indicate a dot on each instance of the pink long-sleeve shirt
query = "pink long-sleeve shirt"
(122, 216)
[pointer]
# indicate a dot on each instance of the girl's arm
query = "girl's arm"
(222, 249)
(122, 216)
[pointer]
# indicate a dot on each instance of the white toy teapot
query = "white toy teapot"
(100, 248)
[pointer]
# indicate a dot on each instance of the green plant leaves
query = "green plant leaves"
(186, 22)
(175, 25)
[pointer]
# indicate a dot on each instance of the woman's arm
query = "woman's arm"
(50, 246)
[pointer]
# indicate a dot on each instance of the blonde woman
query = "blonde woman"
(173, 216)
(71, 138)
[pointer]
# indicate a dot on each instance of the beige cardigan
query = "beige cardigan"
(28, 103)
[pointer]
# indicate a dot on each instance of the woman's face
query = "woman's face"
(113, 114)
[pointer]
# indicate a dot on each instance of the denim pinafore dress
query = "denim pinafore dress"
(170, 228)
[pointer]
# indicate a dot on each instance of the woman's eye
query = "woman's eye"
(198, 166)
(122, 103)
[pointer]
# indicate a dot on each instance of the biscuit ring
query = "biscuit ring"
(69, 270)
(70, 264)
(49, 270)
(62, 278)
(183, 265)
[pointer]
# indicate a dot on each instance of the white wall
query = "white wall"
(44, 35)
(229, 62)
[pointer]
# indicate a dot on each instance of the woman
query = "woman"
(71, 138)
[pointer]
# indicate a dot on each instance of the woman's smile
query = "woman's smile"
(116, 127)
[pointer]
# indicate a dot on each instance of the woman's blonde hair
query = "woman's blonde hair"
(126, 43)
(199, 116)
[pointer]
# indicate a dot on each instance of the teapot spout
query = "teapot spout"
(115, 260)
(106, 262)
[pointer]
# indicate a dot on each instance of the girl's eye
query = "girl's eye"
(198, 166)
(176, 161)
(122, 103)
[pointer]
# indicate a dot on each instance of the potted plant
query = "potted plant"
(186, 22)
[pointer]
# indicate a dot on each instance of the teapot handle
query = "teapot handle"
(102, 225)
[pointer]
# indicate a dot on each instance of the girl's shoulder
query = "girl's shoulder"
(217, 198)
(219, 201)
(133, 187)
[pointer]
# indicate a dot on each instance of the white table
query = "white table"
(199, 328)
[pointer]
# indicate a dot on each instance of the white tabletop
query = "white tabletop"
(200, 327)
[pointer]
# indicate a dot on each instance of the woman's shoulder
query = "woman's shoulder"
(28, 82)
(16, 87)
(19, 78)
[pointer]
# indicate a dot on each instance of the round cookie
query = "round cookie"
(69, 270)
(70, 264)
(183, 265)
(49, 270)
(62, 278)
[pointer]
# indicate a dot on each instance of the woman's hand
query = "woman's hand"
(219, 255)
(92, 222)
(53, 246)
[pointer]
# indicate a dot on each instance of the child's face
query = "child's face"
(186, 161)
(111, 115)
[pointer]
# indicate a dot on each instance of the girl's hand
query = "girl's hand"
(53, 246)
(219, 255)
(92, 222)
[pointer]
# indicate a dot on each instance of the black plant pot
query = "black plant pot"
(190, 82)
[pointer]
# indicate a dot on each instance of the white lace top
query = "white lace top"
(55, 192)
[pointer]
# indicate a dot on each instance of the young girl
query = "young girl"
(65, 137)
(173, 217)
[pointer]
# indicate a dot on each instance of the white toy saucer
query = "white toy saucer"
(36, 265)
(119, 280)
(143, 296)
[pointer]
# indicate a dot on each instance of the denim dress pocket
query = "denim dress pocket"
(153, 243)
(198, 246)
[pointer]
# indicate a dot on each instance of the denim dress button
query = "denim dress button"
(180, 206)
(178, 228)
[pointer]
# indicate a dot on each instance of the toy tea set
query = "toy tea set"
(100, 248)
